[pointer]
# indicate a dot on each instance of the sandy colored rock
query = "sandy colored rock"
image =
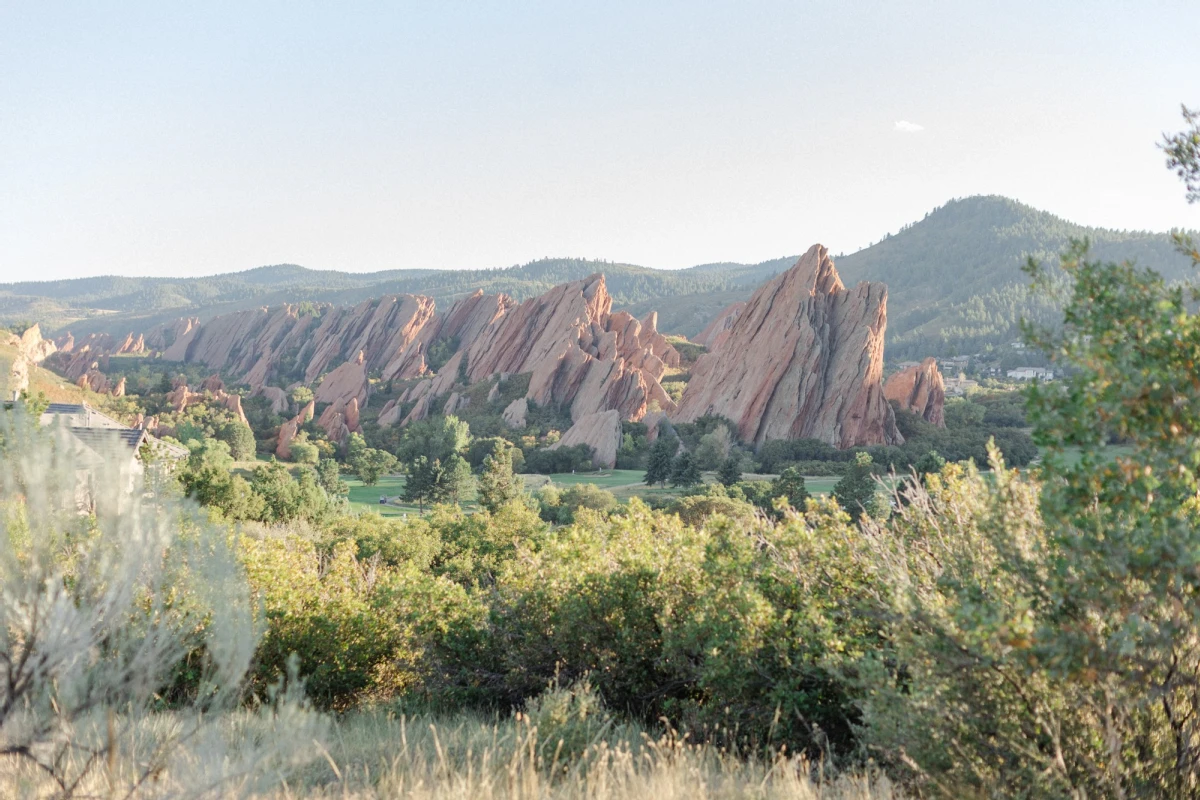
(717, 331)
(277, 397)
(515, 413)
(18, 376)
(33, 348)
(340, 420)
(345, 383)
(289, 429)
(119, 389)
(921, 390)
(652, 420)
(804, 359)
(601, 431)
(581, 356)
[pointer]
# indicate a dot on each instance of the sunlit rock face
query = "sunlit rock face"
(803, 359)
(921, 390)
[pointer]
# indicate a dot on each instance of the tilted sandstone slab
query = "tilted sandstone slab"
(340, 420)
(289, 429)
(804, 359)
(921, 390)
(717, 331)
(32, 350)
(601, 431)
(580, 355)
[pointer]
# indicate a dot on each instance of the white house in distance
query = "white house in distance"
(98, 444)
(1029, 373)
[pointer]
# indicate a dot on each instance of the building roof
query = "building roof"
(100, 432)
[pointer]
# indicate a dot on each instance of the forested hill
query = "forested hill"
(954, 282)
(954, 278)
(118, 304)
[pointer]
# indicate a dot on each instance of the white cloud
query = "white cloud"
(909, 127)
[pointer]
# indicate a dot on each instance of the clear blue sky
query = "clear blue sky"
(186, 139)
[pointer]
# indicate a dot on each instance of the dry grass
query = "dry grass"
(377, 754)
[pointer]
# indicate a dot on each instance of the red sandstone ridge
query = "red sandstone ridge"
(717, 331)
(580, 354)
(804, 359)
(920, 390)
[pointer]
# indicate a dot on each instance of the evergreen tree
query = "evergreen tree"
(454, 481)
(685, 472)
(658, 467)
(432, 481)
(330, 479)
(929, 463)
(856, 491)
(497, 485)
(240, 439)
(420, 480)
(790, 485)
(730, 471)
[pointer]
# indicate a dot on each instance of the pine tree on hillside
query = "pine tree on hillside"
(790, 485)
(685, 473)
(497, 485)
(730, 471)
(658, 467)
(856, 491)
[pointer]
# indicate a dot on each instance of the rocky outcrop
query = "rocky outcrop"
(515, 413)
(289, 429)
(601, 431)
(340, 420)
(804, 359)
(180, 397)
(920, 389)
(717, 331)
(31, 350)
(348, 342)
(277, 397)
(346, 382)
(93, 380)
(579, 354)
(119, 389)
(32, 347)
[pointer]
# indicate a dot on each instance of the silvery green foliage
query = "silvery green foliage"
(107, 583)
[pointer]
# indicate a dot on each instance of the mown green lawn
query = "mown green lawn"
(366, 498)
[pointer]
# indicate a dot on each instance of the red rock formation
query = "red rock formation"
(277, 397)
(515, 413)
(289, 429)
(579, 354)
(348, 381)
(920, 389)
(803, 360)
(119, 389)
(340, 420)
(717, 331)
(31, 349)
(180, 397)
(93, 379)
(601, 431)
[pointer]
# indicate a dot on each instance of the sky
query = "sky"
(192, 139)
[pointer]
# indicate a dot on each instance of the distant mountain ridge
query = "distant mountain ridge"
(954, 282)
